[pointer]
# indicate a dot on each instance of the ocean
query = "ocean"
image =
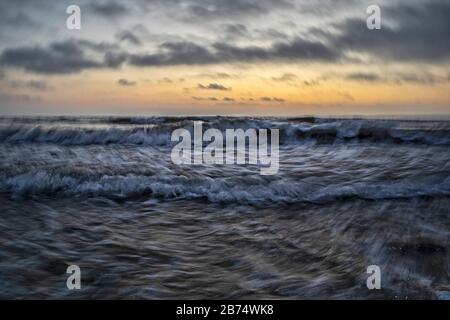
(102, 193)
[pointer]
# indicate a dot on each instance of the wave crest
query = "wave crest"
(252, 190)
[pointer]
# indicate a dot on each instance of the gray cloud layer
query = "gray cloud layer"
(420, 34)
(109, 9)
(61, 57)
(423, 34)
(65, 57)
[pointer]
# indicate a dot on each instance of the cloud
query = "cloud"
(165, 80)
(205, 99)
(100, 47)
(129, 37)
(297, 49)
(286, 77)
(189, 53)
(43, 61)
(411, 32)
(310, 83)
(20, 11)
(269, 99)
(421, 34)
(213, 86)
(63, 57)
(175, 53)
(423, 78)
(114, 59)
(237, 30)
(227, 99)
(57, 58)
(37, 85)
(360, 76)
(126, 83)
(346, 96)
(213, 9)
(217, 75)
(32, 84)
(109, 9)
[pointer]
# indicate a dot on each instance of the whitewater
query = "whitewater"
(102, 192)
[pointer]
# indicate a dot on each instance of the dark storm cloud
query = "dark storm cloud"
(100, 47)
(213, 86)
(191, 10)
(129, 37)
(109, 9)
(9, 20)
(59, 57)
(114, 59)
(224, 10)
(296, 50)
(175, 53)
(233, 8)
(411, 32)
(17, 15)
(236, 30)
(322, 8)
(422, 33)
(189, 53)
(55, 59)
(70, 56)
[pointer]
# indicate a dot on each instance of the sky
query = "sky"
(225, 57)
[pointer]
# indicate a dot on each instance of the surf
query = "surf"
(235, 153)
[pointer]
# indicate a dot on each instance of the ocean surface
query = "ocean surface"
(103, 193)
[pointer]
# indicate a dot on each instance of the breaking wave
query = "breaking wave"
(251, 190)
(102, 157)
(157, 131)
